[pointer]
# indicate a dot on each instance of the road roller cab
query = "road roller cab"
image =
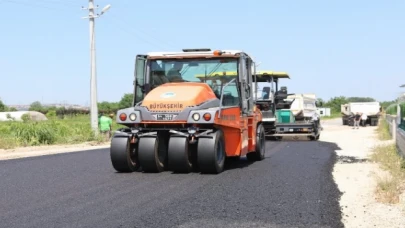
(191, 111)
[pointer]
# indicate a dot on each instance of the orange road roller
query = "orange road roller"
(191, 111)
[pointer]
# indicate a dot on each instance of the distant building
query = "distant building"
(323, 111)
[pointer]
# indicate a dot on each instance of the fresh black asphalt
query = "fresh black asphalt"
(292, 187)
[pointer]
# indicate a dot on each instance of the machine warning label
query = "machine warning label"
(166, 106)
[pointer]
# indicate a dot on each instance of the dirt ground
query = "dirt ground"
(356, 178)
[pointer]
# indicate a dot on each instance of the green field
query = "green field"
(70, 130)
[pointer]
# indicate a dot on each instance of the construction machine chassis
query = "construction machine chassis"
(179, 149)
(298, 129)
(186, 121)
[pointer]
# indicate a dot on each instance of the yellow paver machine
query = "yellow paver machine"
(278, 119)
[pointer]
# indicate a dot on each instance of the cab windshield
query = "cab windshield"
(215, 72)
(263, 91)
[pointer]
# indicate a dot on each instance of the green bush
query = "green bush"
(392, 109)
(70, 130)
(25, 117)
(51, 113)
(33, 133)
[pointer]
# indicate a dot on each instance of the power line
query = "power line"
(67, 3)
(123, 28)
(31, 4)
(144, 33)
(147, 40)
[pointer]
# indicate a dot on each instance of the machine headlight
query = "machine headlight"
(196, 116)
(132, 116)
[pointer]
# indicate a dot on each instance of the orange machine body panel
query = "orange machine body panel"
(252, 123)
(235, 131)
(239, 132)
(175, 97)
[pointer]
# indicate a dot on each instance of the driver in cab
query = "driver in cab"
(174, 74)
(158, 75)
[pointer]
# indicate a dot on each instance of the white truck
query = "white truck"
(371, 109)
(303, 106)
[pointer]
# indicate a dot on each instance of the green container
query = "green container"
(285, 116)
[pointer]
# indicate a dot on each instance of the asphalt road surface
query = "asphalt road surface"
(292, 187)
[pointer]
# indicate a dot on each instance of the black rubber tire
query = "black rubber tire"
(208, 151)
(259, 153)
(179, 155)
(123, 155)
(148, 155)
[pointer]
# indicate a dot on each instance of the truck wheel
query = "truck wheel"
(179, 155)
(211, 153)
(260, 152)
(150, 158)
(123, 155)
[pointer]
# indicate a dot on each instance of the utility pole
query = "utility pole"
(93, 73)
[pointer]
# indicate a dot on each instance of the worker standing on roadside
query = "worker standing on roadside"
(363, 119)
(105, 125)
(315, 119)
(356, 120)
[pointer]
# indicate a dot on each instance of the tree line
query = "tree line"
(126, 101)
(103, 107)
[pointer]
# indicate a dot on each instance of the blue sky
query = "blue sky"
(330, 48)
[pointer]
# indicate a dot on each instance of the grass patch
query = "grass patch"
(389, 188)
(383, 131)
(70, 130)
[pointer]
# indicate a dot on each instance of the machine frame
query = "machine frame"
(194, 130)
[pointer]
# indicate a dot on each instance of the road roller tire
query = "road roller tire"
(259, 153)
(123, 155)
(179, 155)
(150, 157)
(211, 153)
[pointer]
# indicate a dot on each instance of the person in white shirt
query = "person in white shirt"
(315, 118)
(363, 119)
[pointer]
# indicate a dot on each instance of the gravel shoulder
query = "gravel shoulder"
(356, 178)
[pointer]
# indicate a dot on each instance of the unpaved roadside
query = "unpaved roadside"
(356, 178)
(23, 152)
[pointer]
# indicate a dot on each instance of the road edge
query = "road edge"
(34, 151)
